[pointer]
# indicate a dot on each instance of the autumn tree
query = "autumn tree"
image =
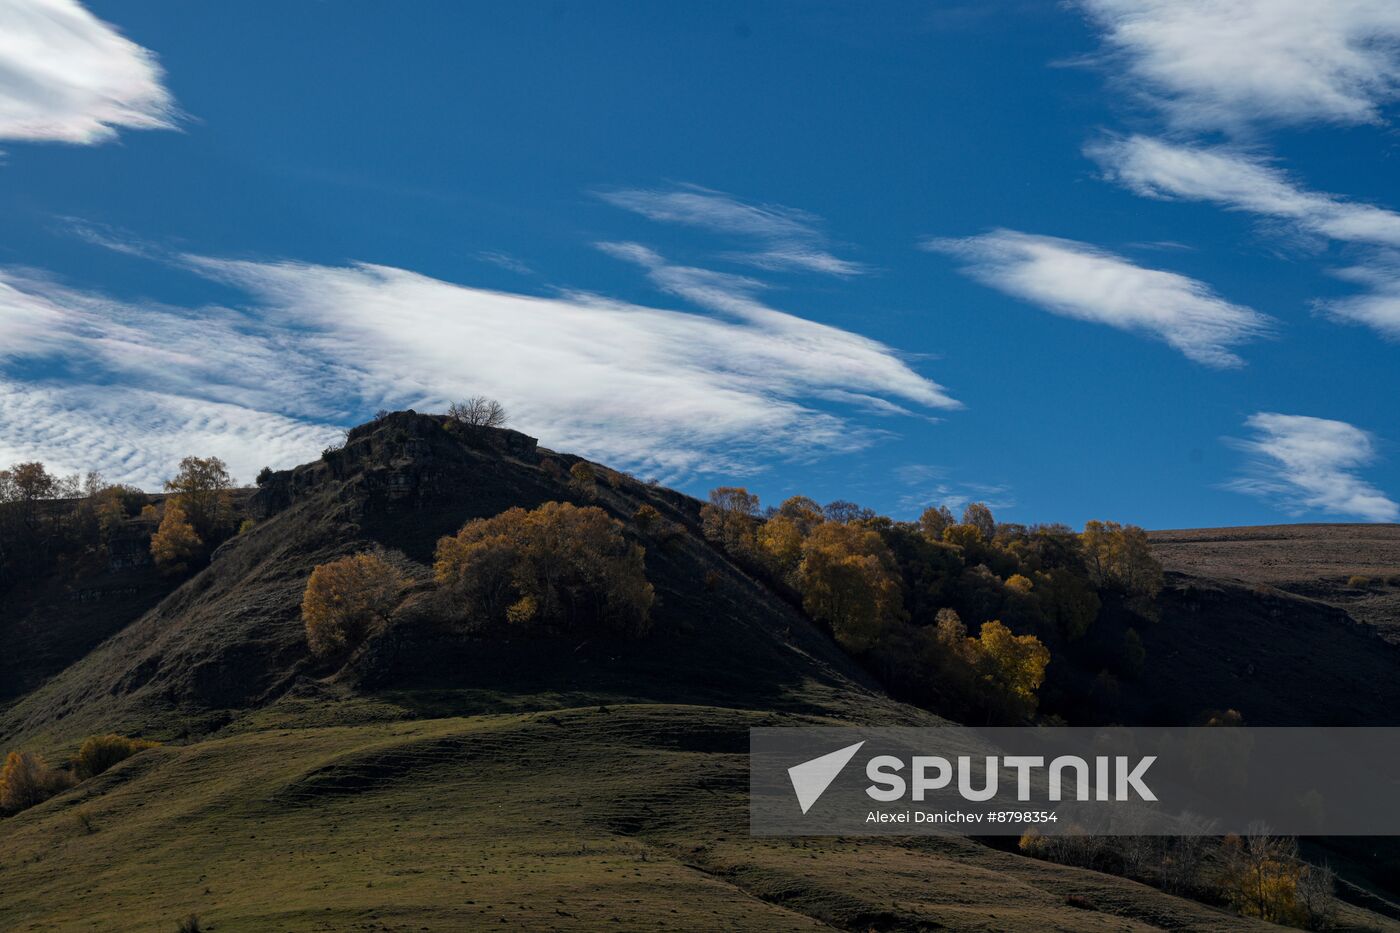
(849, 580)
(1260, 876)
(847, 512)
(347, 600)
(730, 519)
(1014, 665)
(176, 544)
(201, 489)
(478, 411)
(780, 537)
(558, 565)
(980, 517)
(26, 779)
(934, 521)
(1120, 557)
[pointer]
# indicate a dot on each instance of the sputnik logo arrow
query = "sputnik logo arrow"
(811, 778)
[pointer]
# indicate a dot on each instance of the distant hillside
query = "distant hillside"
(1315, 561)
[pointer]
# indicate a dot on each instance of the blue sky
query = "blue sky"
(1128, 259)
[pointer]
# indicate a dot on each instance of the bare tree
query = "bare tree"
(479, 411)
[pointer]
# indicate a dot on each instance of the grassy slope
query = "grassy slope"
(630, 818)
(1314, 561)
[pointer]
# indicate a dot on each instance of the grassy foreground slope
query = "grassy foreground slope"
(629, 818)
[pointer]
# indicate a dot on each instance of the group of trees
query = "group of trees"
(198, 514)
(557, 567)
(47, 517)
(27, 779)
(902, 595)
(1258, 875)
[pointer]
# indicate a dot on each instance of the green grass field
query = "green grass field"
(632, 817)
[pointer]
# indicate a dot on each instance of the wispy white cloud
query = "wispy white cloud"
(1237, 180)
(931, 486)
(1378, 308)
(668, 392)
(1302, 463)
(66, 76)
(134, 435)
(505, 261)
(1080, 281)
(789, 238)
(1227, 64)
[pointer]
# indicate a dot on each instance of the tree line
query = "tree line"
(951, 613)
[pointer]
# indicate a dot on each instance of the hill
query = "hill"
(441, 779)
(1320, 562)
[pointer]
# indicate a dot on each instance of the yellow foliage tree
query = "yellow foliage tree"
(780, 546)
(849, 580)
(1014, 665)
(1120, 556)
(26, 780)
(201, 489)
(175, 543)
(558, 564)
(1261, 876)
(347, 600)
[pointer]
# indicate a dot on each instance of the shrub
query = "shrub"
(26, 780)
(190, 924)
(1020, 584)
(1392, 579)
(347, 600)
(647, 518)
(558, 565)
(263, 476)
(100, 752)
(1358, 582)
(584, 479)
